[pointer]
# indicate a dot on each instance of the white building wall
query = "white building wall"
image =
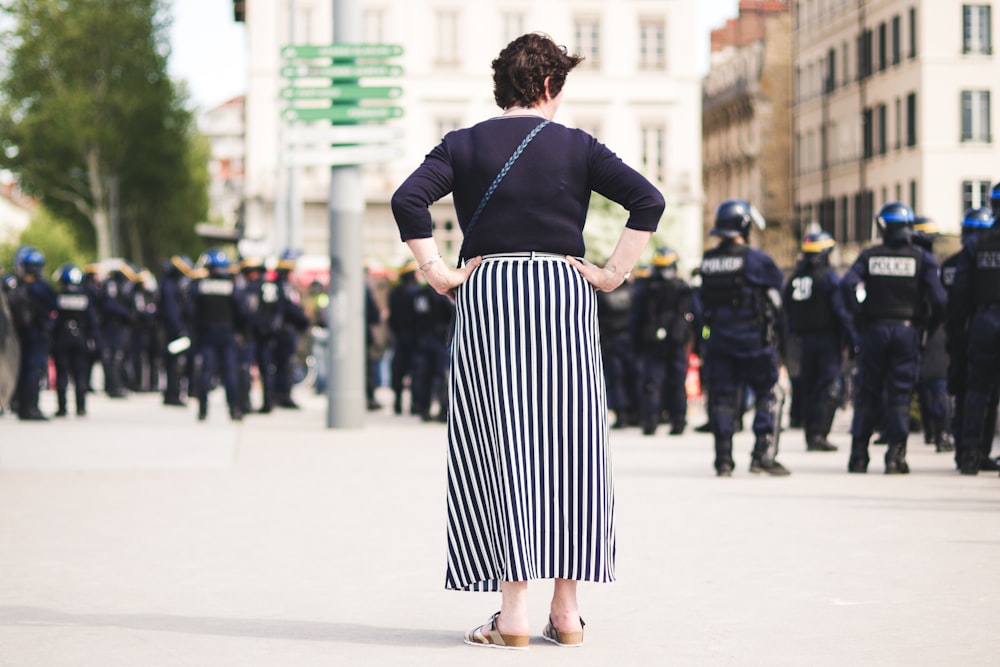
(614, 101)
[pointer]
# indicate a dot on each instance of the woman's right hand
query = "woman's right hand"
(445, 280)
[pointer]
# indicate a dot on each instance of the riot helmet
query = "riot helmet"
(817, 246)
(70, 274)
(895, 221)
(733, 219)
(665, 262)
(216, 261)
(925, 230)
(32, 261)
(995, 199)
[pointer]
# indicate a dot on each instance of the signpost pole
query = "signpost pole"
(346, 404)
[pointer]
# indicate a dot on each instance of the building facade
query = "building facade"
(225, 129)
(893, 102)
(746, 122)
(638, 91)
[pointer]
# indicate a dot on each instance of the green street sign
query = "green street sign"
(339, 71)
(341, 51)
(345, 92)
(344, 113)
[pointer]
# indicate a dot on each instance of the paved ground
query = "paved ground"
(138, 537)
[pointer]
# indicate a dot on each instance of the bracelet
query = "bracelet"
(428, 263)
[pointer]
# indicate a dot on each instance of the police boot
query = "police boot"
(858, 463)
(649, 424)
(944, 441)
(817, 443)
(724, 457)
(61, 401)
(202, 408)
(895, 459)
(762, 459)
(968, 463)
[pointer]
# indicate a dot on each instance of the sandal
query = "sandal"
(563, 638)
(488, 635)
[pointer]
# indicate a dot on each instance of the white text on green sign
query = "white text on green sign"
(339, 71)
(344, 114)
(345, 92)
(341, 51)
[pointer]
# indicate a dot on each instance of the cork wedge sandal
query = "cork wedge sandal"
(568, 639)
(487, 635)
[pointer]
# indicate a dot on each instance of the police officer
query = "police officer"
(264, 310)
(177, 341)
(818, 319)
(404, 302)
(932, 385)
(145, 343)
(74, 339)
(662, 328)
(974, 222)
(116, 319)
(739, 303)
(901, 283)
(33, 306)
(614, 317)
(430, 368)
(975, 299)
(215, 309)
(294, 322)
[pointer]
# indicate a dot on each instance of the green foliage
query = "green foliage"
(605, 221)
(85, 103)
(54, 237)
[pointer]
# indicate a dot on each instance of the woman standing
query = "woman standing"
(530, 492)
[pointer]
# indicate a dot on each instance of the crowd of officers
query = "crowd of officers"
(198, 325)
(896, 330)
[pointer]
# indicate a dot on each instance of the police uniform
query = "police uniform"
(33, 306)
(294, 322)
(974, 222)
(976, 299)
(177, 342)
(116, 318)
(215, 308)
(431, 359)
(404, 299)
(265, 318)
(663, 333)
(901, 282)
(822, 326)
(74, 338)
(739, 302)
(614, 316)
(144, 349)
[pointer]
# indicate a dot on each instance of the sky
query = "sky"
(208, 48)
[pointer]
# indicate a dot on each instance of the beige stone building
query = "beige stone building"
(892, 102)
(746, 122)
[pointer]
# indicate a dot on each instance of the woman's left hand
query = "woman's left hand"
(445, 280)
(600, 277)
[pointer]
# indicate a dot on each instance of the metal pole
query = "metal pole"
(346, 343)
(293, 233)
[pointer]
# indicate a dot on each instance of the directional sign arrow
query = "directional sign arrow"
(341, 51)
(339, 71)
(342, 155)
(345, 92)
(340, 134)
(343, 113)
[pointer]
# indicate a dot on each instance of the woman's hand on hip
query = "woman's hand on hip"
(603, 279)
(445, 280)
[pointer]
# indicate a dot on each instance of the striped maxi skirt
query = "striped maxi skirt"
(530, 493)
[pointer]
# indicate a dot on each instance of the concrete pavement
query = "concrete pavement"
(139, 537)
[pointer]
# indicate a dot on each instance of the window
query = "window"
(868, 133)
(913, 32)
(842, 225)
(975, 194)
(512, 26)
(976, 115)
(652, 43)
(883, 143)
(913, 194)
(587, 37)
(976, 29)
(653, 139)
(831, 71)
(864, 205)
(864, 54)
(899, 124)
(882, 47)
(847, 63)
(896, 46)
(446, 21)
(911, 119)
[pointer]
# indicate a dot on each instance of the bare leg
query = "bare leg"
(565, 611)
(514, 608)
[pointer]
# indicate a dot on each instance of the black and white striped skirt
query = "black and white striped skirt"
(530, 492)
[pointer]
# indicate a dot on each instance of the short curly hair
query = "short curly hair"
(520, 70)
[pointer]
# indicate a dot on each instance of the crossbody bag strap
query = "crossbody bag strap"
(496, 181)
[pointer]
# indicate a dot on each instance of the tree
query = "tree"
(92, 125)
